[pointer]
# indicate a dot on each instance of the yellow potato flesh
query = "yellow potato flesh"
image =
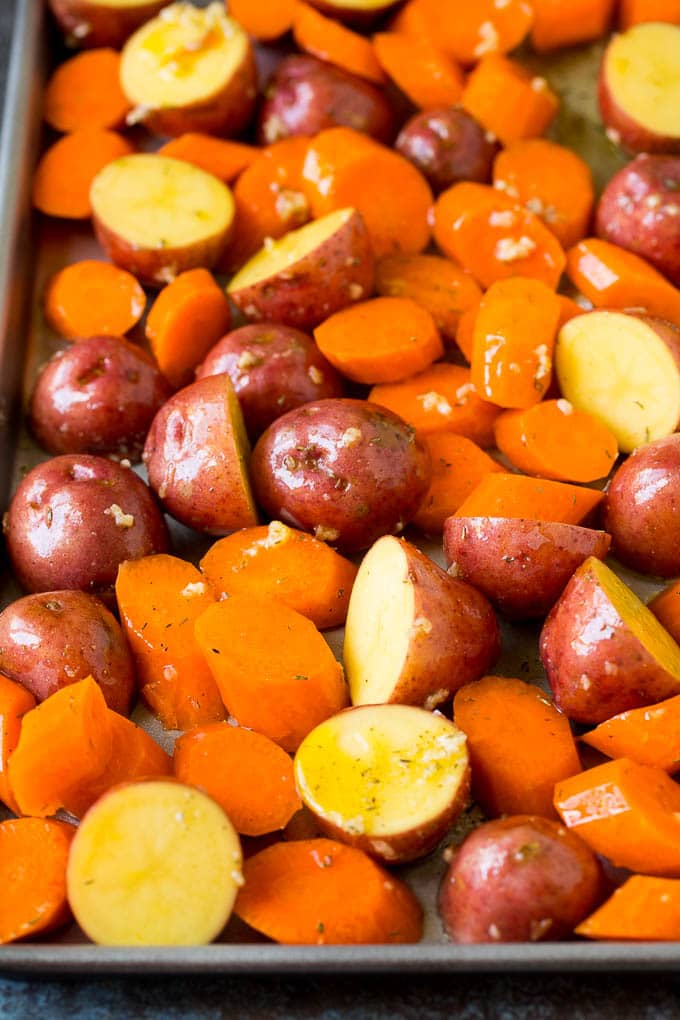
(618, 369)
(643, 75)
(154, 863)
(156, 202)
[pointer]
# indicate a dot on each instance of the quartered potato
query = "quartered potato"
(90, 23)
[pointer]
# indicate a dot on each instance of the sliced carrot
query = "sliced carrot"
(85, 92)
(465, 333)
(383, 340)
(411, 20)
(642, 909)
(248, 775)
(557, 24)
(33, 857)
(648, 736)
(15, 702)
(458, 466)
(328, 40)
(159, 599)
(134, 755)
(666, 608)
(568, 310)
(519, 745)
(288, 565)
(635, 12)
(469, 30)
(555, 440)
(517, 496)
(92, 298)
(266, 19)
(440, 399)
(422, 71)
(305, 893)
(221, 157)
(275, 672)
(551, 181)
(508, 100)
(61, 185)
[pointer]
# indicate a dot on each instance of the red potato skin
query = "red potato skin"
(447, 145)
(273, 369)
(107, 26)
(347, 470)
(627, 132)
(521, 566)
(61, 528)
(519, 879)
(98, 396)
(52, 640)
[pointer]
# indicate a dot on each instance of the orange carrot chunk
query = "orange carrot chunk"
(666, 608)
(221, 157)
(642, 909)
(458, 466)
(33, 858)
(517, 496)
(326, 39)
(305, 893)
(527, 106)
(85, 92)
(568, 310)
(648, 736)
(61, 185)
(92, 298)
(470, 30)
(423, 72)
(635, 12)
(557, 24)
(266, 19)
(15, 702)
(465, 333)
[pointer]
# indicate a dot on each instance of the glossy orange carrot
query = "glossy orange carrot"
(265, 20)
(423, 72)
(324, 38)
(666, 608)
(469, 31)
(92, 298)
(558, 24)
(85, 92)
(648, 736)
(411, 20)
(221, 157)
(33, 858)
(134, 755)
(458, 466)
(15, 702)
(465, 333)
(527, 107)
(506, 495)
(635, 12)
(61, 185)
(569, 309)
(642, 909)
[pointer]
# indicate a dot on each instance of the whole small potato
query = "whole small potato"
(347, 470)
(75, 518)
(307, 95)
(49, 641)
(519, 879)
(447, 145)
(274, 369)
(640, 210)
(97, 396)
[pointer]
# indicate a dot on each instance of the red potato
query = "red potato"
(190, 69)
(74, 519)
(347, 470)
(52, 640)
(603, 651)
(98, 396)
(448, 145)
(521, 566)
(273, 369)
(91, 23)
(519, 879)
(414, 635)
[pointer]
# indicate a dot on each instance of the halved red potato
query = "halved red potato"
(309, 273)
(90, 23)
(639, 88)
(158, 217)
(521, 566)
(190, 69)
(389, 779)
(414, 635)
(354, 12)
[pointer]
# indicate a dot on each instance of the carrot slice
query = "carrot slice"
(423, 72)
(458, 466)
(265, 20)
(648, 736)
(221, 157)
(159, 598)
(61, 185)
(92, 298)
(517, 496)
(527, 106)
(568, 310)
(666, 608)
(85, 92)
(326, 39)
(465, 333)
(635, 12)
(15, 702)
(468, 31)
(304, 893)
(519, 745)
(642, 909)
(284, 564)
(134, 755)
(187, 318)
(557, 24)
(411, 20)
(33, 857)
(248, 775)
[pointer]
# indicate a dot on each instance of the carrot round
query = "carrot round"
(458, 466)
(221, 157)
(33, 857)
(465, 331)
(557, 24)
(85, 92)
(15, 702)
(423, 72)
(517, 496)
(648, 736)
(666, 608)
(248, 775)
(642, 909)
(266, 19)
(508, 100)
(326, 39)
(382, 340)
(469, 30)
(61, 185)
(635, 12)
(317, 891)
(92, 298)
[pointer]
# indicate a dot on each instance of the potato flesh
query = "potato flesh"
(155, 202)
(381, 770)
(642, 73)
(618, 369)
(154, 863)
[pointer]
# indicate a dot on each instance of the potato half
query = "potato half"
(90, 23)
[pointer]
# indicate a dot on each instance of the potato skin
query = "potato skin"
(307, 95)
(98, 396)
(347, 470)
(519, 879)
(274, 369)
(521, 566)
(105, 27)
(49, 641)
(68, 526)
(447, 145)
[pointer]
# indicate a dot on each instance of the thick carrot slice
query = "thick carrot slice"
(441, 399)
(85, 92)
(187, 318)
(527, 106)
(458, 466)
(627, 812)
(284, 564)
(648, 736)
(379, 341)
(519, 745)
(15, 702)
(326, 39)
(467, 31)
(551, 181)
(33, 857)
(61, 185)
(437, 284)
(635, 12)
(554, 440)
(558, 24)
(159, 598)
(92, 298)
(666, 608)
(517, 496)
(465, 333)
(568, 310)
(642, 909)
(221, 157)
(248, 775)
(266, 19)
(275, 672)
(422, 71)
(305, 893)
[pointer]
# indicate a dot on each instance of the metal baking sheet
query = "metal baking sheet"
(32, 249)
